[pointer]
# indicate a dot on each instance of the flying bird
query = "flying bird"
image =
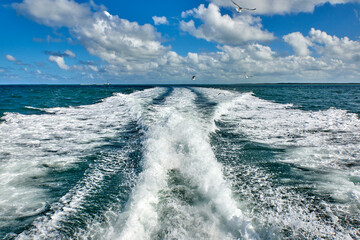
(239, 9)
(247, 76)
(193, 77)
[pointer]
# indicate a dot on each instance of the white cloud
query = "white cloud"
(10, 58)
(280, 6)
(222, 28)
(59, 61)
(94, 68)
(70, 53)
(193, 58)
(57, 13)
(260, 52)
(229, 63)
(115, 40)
(334, 47)
(131, 49)
(160, 20)
(187, 13)
(325, 45)
(299, 43)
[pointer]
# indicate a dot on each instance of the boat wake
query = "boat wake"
(180, 163)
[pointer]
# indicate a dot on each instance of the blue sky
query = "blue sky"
(141, 42)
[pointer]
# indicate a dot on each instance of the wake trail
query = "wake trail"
(90, 127)
(294, 171)
(181, 192)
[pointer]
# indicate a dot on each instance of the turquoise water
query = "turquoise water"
(214, 162)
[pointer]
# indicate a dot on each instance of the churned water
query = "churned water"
(234, 162)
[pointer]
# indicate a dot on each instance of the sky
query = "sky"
(167, 42)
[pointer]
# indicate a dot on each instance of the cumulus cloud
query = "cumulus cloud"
(115, 40)
(57, 13)
(133, 50)
(299, 43)
(59, 61)
(230, 63)
(223, 28)
(160, 20)
(10, 58)
(280, 6)
(325, 45)
(334, 47)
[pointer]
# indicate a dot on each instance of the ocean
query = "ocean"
(275, 161)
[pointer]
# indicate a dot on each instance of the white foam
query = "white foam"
(325, 142)
(34, 108)
(178, 139)
(330, 137)
(34, 145)
(70, 206)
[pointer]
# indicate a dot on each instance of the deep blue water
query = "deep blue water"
(18, 98)
(180, 162)
(304, 96)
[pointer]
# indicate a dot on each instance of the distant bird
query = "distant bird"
(193, 77)
(239, 9)
(247, 76)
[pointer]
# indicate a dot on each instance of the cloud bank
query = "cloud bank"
(131, 49)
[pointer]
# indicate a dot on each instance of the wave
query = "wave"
(180, 163)
(37, 149)
(181, 192)
(304, 176)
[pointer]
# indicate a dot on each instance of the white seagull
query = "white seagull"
(247, 76)
(239, 9)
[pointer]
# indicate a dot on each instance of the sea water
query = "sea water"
(180, 162)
